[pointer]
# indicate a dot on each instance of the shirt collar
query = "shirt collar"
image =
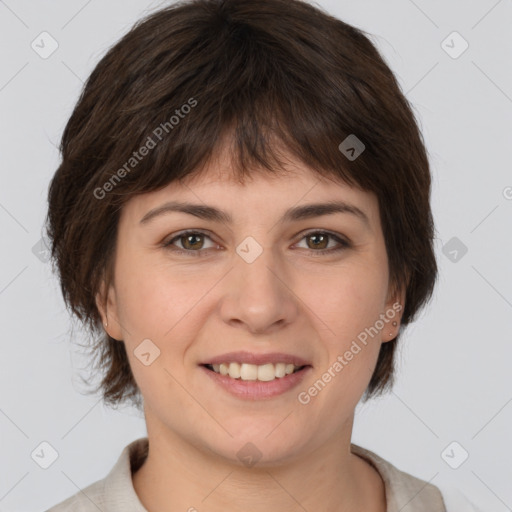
(402, 489)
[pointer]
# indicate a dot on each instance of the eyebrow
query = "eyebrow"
(292, 214)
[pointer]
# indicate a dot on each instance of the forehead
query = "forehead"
(259, 191)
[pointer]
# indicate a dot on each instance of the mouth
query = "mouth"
(250, 376)
(253, 372)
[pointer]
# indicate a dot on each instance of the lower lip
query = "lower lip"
(257, 389)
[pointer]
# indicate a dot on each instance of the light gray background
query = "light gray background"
(454, 379)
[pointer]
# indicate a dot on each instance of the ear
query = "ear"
(107, 307)
(393, 310)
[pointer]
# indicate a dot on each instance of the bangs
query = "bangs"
(234, 88)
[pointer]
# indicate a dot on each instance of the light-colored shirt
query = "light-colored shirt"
(404, 492)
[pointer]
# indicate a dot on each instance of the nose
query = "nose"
(259, 295)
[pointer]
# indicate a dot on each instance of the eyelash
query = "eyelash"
(344, 244)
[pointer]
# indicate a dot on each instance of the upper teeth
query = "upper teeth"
(264, 372)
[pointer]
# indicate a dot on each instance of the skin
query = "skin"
(287, 300)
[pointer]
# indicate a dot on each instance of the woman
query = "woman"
(243, 207)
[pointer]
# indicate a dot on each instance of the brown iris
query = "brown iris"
(317, 245)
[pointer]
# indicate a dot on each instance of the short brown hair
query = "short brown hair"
(258, 74)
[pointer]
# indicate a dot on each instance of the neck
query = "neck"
(179, 476)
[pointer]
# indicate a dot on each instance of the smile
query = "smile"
(256, 382)
(245, 371)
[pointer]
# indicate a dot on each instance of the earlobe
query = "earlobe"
(107, 308)
(393, 312)
(100, 302)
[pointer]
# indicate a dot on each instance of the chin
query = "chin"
(259, 443)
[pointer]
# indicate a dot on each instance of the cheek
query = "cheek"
(155, 304)
(153, 299)
(346, 301)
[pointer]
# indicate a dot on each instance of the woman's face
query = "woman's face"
(266, 287)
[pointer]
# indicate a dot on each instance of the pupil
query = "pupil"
(312, 237)
(191, 237)
(318, 236)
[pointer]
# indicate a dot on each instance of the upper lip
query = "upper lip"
(258, 359)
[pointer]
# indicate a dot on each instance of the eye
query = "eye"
(319, 241)
(192, 243)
